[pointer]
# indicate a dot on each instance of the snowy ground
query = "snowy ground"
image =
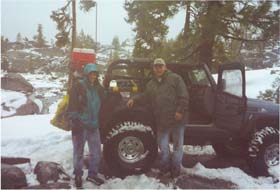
(34, 137)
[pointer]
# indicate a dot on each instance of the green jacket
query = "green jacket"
(166, 98)
(85, 103)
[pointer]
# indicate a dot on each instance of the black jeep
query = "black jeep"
(220, 115)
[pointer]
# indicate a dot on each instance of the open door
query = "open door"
(230, 104)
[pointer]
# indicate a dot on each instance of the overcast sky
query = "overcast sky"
(24, 16)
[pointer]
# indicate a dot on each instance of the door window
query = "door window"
(232, 82)
(198, 77)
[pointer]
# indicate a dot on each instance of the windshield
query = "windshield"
(129, 70)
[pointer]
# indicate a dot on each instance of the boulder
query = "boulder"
(28, 109)
(12, 177)
(49, 171)
(14, 160)
(15, 82)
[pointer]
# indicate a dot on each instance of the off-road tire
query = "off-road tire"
(130, 148)
(264, 151)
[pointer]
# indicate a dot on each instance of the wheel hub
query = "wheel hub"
(271, 155)
(131, 149)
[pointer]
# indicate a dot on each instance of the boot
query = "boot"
(175, 172)
(78, 181)
(95, 179)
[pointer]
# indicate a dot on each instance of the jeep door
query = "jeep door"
(230, 102)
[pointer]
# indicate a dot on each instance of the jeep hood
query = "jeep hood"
(261, 106)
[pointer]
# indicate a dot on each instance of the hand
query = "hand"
(130, 103)
(178, 116)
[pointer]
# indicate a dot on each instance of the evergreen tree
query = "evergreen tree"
(213, 32)
(84, 41)
(4, 58)
(19, 38)
(66, 21)
(116, 48)
(40, 38)
(149, 19)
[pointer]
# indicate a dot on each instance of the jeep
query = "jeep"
(220, 115)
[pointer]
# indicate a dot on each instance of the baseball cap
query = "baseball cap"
(159, 61)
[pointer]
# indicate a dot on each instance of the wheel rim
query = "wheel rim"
(271, 155)
(131, 149)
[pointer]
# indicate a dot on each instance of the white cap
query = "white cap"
(159, 61)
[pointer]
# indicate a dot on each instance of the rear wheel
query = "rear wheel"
(130, 148)
(264, 151)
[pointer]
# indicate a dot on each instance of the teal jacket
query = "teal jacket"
(85, 101)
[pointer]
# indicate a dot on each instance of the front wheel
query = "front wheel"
(264, 152)
(130, 148)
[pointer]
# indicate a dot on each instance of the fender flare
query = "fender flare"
(123, 113)
(259, 122)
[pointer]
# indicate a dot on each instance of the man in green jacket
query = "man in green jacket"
(167, 94)
(84, 105)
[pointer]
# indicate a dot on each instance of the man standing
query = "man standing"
(84, 105)
(167, 94)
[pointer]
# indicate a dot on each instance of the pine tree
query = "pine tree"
(19, 38)
(84, 41)
(66, 21)
(116, 48)
(150, 26)
(40, 38)
(213, 31)
(4, 58)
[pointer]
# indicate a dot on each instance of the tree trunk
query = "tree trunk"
(208, 34)
(70, 76)
(187, 21)
(73, 24)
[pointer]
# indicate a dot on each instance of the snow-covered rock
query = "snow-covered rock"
(15, 82)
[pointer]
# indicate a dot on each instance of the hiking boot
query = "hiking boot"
(78, 181)
(96, 180)
(175, 172)
(164, 171)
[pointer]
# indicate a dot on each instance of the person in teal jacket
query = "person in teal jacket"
(84, 105)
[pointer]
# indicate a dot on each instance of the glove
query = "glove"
(76, 126)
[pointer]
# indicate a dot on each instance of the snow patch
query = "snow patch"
(39, 103)
(234, 175)
(11, 101)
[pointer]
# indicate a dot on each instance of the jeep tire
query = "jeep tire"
(264, 151)
(130, 148)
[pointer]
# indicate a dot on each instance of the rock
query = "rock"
(51, 186)
(12, 177)
(15, 82)
(49, 171)
(14, 160)
(198, 182)
(28, 109)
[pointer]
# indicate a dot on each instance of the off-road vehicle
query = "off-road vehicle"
(220, 115)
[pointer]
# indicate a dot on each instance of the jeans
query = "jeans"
(168, 160)
(92, 137)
